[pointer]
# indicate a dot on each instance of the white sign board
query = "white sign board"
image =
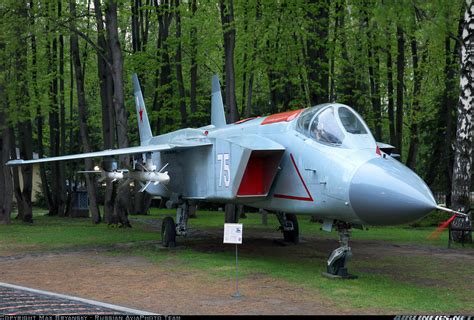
(233, 233)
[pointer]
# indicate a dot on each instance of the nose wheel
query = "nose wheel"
(338, 259)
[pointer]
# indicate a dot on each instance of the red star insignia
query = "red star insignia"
(141, 114)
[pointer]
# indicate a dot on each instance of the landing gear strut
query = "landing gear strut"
(169, 230)
(182, 216)
(289, 227)
(336, 265)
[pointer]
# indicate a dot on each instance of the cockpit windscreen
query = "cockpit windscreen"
(334, 125)
(350, 122)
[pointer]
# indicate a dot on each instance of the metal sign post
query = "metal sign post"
(233, 234)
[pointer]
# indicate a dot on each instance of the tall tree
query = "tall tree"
(57, 179)
(390, 92)
(62, 118)
(82, 104)
(163, 103)
(39, 113)
(317, 44)
(117, 76)
(228, 28)
(194, 66)
(463, 150)
(373, 63)
(179, 68)
(249, 109)
(400, 85)
(6, 181)
(106, 86)
(111, 22)
(414, 139)
(20, 101)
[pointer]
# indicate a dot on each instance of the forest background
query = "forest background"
(66, 65)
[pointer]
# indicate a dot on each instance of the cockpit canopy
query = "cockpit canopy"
(335, 125)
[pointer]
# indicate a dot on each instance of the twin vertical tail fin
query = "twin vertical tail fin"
(217, 106)
(142, 116)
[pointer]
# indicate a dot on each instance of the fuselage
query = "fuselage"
(331, 168)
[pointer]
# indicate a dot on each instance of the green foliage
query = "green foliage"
(272, 39)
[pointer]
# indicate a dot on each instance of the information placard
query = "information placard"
(233, 233)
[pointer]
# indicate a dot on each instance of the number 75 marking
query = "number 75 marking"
(224, 159)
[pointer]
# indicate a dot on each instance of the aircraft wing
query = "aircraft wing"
(112, 152)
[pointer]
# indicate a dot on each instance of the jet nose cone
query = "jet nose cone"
(385, 192)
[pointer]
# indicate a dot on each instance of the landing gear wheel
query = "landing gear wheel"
(338, 267)
(338, 259)
(168, 233)
(292, 236)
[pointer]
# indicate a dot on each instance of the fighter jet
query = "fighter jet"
(320, 161)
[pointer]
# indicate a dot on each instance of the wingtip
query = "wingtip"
(15, 162)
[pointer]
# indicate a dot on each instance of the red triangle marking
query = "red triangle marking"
(284, 196)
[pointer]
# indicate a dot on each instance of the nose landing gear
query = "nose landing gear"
(336, 265)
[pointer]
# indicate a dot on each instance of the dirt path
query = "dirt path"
(135, 282)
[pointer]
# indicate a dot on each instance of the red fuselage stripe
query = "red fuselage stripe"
(309, 198)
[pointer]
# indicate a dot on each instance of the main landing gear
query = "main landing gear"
(289, 227)
(169, 230)
(336, 265)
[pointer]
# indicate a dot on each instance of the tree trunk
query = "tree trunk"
(106, 98)
(347, 83)
(84, 130)
(25, 138)
(413, 148)
(373, 63)
(39, 115)
(62, 123)
(166, 93)
(249, 110)
(179, 67)
(463, 150)
(400, 84)
(227, 20)
(194, 66)
(25, 132)
(231, 213)
(390, 93)
(53, 117)
(117, 76)
(6, 182)
(122, 205)
(121, 119)
(317, 58)
(136, 45)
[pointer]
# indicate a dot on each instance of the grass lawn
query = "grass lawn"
(406, 283)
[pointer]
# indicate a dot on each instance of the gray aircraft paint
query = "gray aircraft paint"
(352, 181)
